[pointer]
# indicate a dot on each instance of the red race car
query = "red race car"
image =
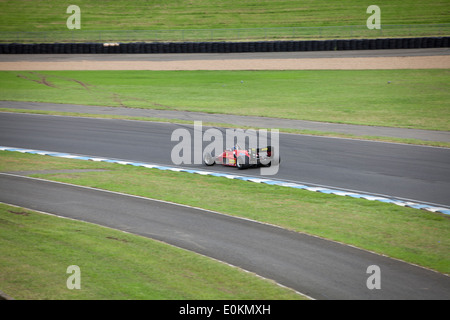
(241, 158)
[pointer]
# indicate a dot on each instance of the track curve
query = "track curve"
(316, 267)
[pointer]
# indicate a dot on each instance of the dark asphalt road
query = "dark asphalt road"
(258, 122)
(313, 266)
(404, 171)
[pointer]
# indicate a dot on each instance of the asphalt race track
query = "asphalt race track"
(237, 120)
(318, 268)
(405, 171)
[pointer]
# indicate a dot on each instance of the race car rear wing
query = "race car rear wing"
(267, 150)
(255, 152)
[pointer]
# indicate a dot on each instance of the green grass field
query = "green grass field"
(215, 20)
(413, 98)
(36, 249)
(196, 14)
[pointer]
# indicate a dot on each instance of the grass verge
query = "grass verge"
(36, 249)
(391, 98)
(411, 235)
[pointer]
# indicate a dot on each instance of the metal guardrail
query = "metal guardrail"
(240, 34)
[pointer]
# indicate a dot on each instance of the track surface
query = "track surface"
(404, 171)
(316, 267)
(258, 122)
(319, 268)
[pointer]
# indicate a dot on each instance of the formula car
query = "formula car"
(241, 158)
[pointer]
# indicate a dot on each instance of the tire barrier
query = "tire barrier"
(225, 47)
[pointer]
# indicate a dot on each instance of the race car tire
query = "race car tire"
(270, 163)
(208, 159)
(242, 162)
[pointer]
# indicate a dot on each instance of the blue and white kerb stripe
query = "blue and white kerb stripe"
(402, 203)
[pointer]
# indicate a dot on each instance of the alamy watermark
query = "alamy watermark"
(74, 280)
(252, 146)
(374, 21)
(374, 280)
(74, 20)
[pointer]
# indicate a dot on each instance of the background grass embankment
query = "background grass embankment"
(215, 20)
(394, 98)
(207, 14)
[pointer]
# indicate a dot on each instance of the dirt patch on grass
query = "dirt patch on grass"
(117, 239)
(20, 213)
